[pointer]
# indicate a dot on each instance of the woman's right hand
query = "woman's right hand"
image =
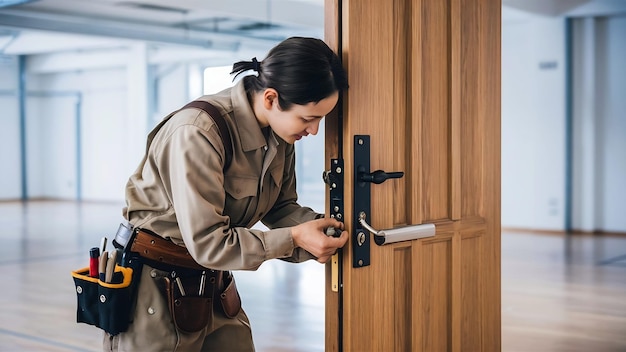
(311, 236)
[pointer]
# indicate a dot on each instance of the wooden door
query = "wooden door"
(424, 80)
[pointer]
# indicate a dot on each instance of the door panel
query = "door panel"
(425, 86)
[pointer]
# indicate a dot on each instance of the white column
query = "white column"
(586, 170)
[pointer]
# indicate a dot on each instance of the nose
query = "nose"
(314, 127)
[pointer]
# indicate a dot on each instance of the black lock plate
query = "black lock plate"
(362, 196)
(335, 183)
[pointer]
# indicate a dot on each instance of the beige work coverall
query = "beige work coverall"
(181, 192)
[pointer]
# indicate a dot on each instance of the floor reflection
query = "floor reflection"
(563, 293)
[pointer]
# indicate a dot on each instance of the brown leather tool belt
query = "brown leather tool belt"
(156, 248)
(191, 288)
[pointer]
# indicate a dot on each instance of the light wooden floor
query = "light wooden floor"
(557, 294)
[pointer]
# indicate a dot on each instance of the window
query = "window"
(217, 79)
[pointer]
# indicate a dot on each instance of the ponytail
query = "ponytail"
(243, 66)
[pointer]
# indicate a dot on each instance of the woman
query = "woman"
(190, 191)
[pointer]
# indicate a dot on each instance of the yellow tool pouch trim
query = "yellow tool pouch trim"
(127, 273)
(105, 305)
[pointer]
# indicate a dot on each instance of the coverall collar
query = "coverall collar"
(247, 125)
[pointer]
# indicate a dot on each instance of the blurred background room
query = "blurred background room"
(82, 82)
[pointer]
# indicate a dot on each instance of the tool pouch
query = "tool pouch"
(105, 305)
(229, 298)
(190, 313)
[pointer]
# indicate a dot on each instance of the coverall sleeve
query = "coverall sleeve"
(191, 163)
(286, 211)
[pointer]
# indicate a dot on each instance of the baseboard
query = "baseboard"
(559, 232)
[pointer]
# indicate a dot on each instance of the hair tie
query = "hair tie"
(256, 65)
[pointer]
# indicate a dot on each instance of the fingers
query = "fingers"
(311, 236)
(330, 222)
(338, 242)
(342, 240)
(325, 257)
(332, 245)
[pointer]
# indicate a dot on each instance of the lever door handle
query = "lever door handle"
(399, 234)
(378, 176)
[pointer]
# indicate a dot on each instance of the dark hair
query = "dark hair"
(302, 70)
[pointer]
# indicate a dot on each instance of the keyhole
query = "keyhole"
(360, 238)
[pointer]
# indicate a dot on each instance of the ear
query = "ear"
(270, 95)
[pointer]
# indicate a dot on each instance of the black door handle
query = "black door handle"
(378, 176)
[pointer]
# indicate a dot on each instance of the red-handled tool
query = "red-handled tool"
(94, 254)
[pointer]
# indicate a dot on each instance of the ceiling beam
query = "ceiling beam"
(108, 58)
(120, 29)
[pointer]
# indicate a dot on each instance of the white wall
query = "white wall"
(172, 90)
(53, 135)
(533, 123)
(51, 147)
(111, 100)
(112, 138)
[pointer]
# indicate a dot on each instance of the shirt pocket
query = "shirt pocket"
(241, 198)
(277, 175)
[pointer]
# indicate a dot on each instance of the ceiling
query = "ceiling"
(31, 27)
(42, 27)
(568, 8)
